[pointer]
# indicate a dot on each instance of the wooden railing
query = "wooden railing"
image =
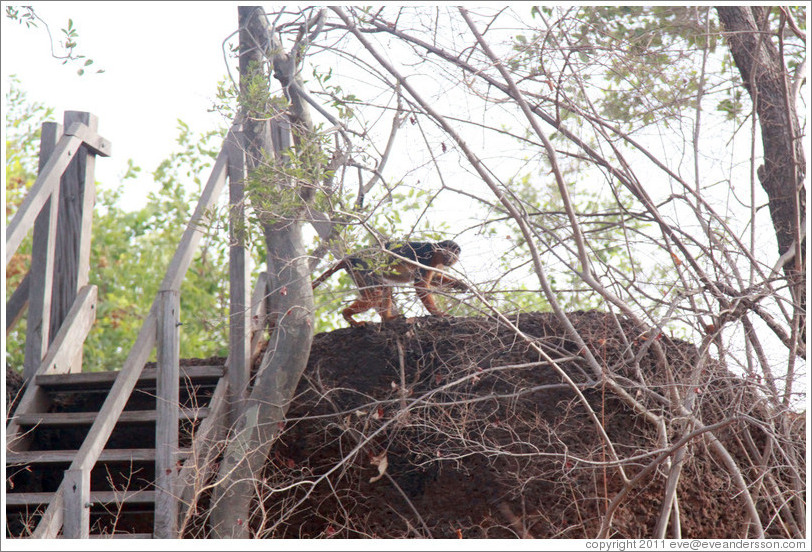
(69, 509)
(59, 208)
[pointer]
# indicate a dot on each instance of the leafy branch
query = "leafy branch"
(25, 15)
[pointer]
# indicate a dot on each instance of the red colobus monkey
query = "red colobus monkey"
(375, 283)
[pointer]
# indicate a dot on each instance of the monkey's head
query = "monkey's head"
(449, 252)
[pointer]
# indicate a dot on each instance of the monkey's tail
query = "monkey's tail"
(343, 264)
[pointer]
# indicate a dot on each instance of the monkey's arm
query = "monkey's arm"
(442, 281)
(433, 279)
(423, 289)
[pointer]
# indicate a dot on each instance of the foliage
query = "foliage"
(131, 249)
(23, 121)
(274, 188)
(645, 60)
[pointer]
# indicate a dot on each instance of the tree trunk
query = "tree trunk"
(782, 176)
(286, 359)
(291, 302)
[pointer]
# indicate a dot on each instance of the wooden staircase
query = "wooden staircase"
(116, 453)
(122, 489)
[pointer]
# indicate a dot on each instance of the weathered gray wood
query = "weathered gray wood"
(88, 185)
(40, 192)
(124, 384)
(197, 225)
(67, 456)
(51, 520)
(17, 303)
(77, 197)
(167, 413)
(41, 273)
(130, 372)
(239, 315)
(103, 380)
(62, 419)
(47, 181)
(98, 145)
(96, 497)
(69, 338)
(76, 523)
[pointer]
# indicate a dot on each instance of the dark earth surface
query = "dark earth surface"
(482, 437)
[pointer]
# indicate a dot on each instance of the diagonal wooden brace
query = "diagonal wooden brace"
(69, 339)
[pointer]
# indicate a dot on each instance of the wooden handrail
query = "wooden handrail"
(48, 180)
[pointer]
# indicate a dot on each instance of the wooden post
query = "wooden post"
(41, 273)
(76, 200)
(76, 521)
(167, 412)
(239, 350)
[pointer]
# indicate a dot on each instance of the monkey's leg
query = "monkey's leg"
(387, 305)
(357, 307)
(370, 298)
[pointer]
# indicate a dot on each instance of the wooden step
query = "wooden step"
(67, 456)
(86, 381)
(97, 497)
(61, 419)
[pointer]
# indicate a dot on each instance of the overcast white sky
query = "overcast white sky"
(162, 62)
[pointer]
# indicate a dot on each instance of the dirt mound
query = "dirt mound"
(482, 437)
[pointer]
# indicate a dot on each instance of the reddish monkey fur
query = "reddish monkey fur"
(375, 286)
